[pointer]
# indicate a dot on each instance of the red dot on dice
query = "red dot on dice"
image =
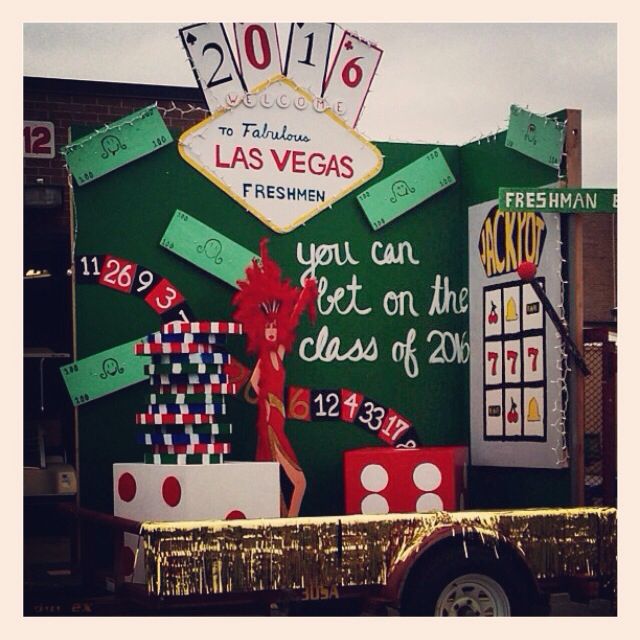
(128, 560)
(127, 487)
(527, 270)
(236, 514)
(171, 491)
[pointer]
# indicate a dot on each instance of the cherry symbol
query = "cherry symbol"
(512, 416)
(493, 316)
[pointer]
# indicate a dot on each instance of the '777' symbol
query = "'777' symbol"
(513, 357)
(492, 357)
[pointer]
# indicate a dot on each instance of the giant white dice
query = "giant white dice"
(165, 492)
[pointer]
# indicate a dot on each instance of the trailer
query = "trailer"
(466, 563)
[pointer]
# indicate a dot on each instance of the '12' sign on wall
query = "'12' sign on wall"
(38, 139)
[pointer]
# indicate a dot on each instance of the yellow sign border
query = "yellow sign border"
(315, 210)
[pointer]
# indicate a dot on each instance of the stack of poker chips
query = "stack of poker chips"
(186, 414)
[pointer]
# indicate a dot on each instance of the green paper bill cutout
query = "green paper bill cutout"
(104, 373)
(402, 191)
(535, 136)
(551, 200)
(117, 144)
(206, 248)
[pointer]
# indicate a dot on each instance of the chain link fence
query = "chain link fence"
(600, 418)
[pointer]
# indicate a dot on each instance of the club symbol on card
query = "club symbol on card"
(513, 416)
(110, 367)
(111, 145)
(212, 249)
(533, 411)
(530, 135)
(511, 315)
(399, 189)
(493, 314)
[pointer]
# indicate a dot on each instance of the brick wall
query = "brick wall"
(599, 255)
(47, 244)
(79, 102)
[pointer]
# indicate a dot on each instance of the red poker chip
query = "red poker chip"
(202, 326)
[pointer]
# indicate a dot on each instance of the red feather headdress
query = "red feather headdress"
(264, 297)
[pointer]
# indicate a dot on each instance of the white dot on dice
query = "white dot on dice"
(429, 502)
(374, 477)
(374, 504)
(427, 476)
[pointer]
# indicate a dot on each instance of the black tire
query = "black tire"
(446, 582)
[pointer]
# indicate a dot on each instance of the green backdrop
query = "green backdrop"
(125, 214)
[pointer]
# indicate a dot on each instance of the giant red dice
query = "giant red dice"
(384, 480)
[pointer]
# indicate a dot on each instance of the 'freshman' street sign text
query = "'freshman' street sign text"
(558, 200)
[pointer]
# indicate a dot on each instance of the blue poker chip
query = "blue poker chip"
(208, 428)
(175, 438)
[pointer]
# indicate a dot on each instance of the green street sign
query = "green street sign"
(535, 136)
(558, 200)
(116, 144)
(403, 190)
(104, 373)
(206, 248)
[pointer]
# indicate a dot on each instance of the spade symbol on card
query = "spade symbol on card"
(191, 39)
(512, 416)
(212, 249)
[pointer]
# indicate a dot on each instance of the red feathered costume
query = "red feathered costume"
(269, 309)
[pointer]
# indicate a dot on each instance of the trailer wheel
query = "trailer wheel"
(447, 583)
(473, 594)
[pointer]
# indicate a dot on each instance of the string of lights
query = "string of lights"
(561, 406)
(116, 126)
(183, 112)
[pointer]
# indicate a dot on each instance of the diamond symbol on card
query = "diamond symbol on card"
(285, 164)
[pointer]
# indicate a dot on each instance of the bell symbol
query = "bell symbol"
(511, 313)
(533, 412)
